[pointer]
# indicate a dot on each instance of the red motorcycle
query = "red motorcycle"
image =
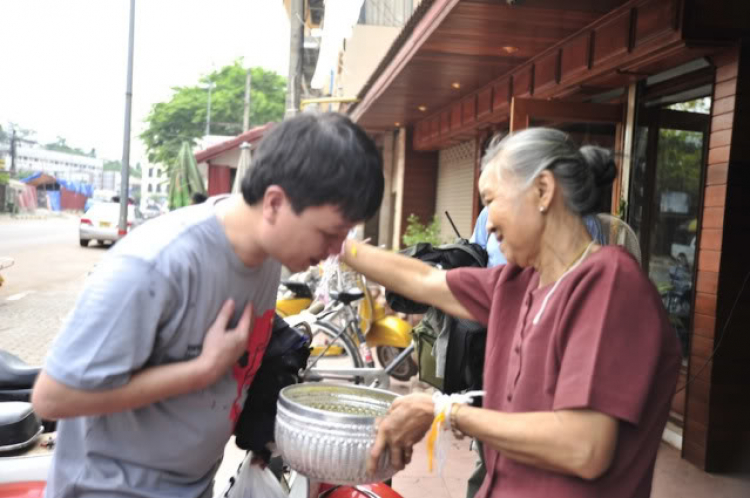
(27, 445)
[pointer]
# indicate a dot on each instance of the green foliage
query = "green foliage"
(112, 166)
(679, 163)
(61, 145)
(416, 231)
(117, 166)
(4, 177)
(184, 179)
(183, 118)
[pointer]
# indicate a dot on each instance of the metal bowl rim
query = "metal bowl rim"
(325, 415)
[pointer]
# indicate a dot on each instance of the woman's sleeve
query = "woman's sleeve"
(473, 288)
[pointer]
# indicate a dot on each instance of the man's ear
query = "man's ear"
(273, 200)
(544, 187)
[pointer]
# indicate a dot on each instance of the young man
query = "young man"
(145, 373)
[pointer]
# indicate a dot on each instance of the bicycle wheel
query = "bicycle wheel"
(334, 350)
(405, 370)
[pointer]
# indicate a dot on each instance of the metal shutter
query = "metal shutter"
(455, 189)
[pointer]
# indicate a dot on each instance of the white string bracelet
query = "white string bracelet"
(442, 422)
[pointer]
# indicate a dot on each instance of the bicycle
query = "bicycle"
(356, 363)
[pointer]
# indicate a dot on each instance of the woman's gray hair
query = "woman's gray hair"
(582, 173)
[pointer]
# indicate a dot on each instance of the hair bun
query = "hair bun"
(601, 161)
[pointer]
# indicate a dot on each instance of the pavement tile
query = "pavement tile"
(420, 487)
(456, 486)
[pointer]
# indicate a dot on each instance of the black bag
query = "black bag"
(464, 361)
(286, 354)
(448, 256)
(464, 356)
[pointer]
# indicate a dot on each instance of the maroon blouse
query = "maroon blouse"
(603, 343)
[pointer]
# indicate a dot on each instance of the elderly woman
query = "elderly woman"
(581, 362)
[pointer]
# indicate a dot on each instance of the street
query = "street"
(41, 288)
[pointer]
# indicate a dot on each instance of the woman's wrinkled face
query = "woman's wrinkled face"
(513, 216)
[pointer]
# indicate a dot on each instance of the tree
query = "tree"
(117, 166)
(61, 145)
(183, 118)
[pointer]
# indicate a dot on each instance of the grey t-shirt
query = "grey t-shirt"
(150, 302)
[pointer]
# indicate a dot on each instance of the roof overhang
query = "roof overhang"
(451, 48)
(251, 137)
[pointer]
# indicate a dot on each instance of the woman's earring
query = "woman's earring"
(541, 209)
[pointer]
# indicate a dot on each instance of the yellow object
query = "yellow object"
(334, 350)
(432, 438)
(293, 306)
(389, 331)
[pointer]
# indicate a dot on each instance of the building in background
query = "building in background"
(218, 163)
(63, 166)
(154, 183)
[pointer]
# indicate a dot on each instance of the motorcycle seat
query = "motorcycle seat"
(300, 289)
(16, 373)
(19, 426)
(348, 296)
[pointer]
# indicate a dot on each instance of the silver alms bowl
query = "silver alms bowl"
(326, 431)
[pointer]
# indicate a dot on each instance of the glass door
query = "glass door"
(666, 194)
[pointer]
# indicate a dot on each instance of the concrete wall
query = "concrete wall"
(364, 51)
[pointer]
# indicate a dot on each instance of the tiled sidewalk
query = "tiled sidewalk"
(673, 478)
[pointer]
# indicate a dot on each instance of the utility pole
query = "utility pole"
(13, 152)
(246, 118)
(125, 183)
(297, 38)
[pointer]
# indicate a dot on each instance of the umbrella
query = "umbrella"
(242, 168)
(184, 179)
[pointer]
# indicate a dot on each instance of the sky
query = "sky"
(63, 63)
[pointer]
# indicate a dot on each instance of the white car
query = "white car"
(100, 222)
(686, 251)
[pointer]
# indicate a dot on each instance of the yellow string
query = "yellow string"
(436, 424)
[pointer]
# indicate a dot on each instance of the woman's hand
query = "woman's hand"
(408, 420)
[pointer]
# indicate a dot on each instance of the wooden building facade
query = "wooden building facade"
(665, 84)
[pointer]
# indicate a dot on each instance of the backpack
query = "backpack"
(464, 354)
(448, 256)
(285, 356)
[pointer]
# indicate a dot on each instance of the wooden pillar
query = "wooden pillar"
(419, 184)
(385, 230)
(717, 432)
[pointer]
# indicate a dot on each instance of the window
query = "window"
(150, 188)
(665, 198)
(158, 187)
(150, 174)
(386, 12)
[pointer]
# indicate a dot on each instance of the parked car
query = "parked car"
(101, 221)
(151, 212)
(684, 250)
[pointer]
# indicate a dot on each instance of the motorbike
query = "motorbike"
(27, 445)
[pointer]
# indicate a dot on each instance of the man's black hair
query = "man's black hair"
(319, 159)
(198, 198)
